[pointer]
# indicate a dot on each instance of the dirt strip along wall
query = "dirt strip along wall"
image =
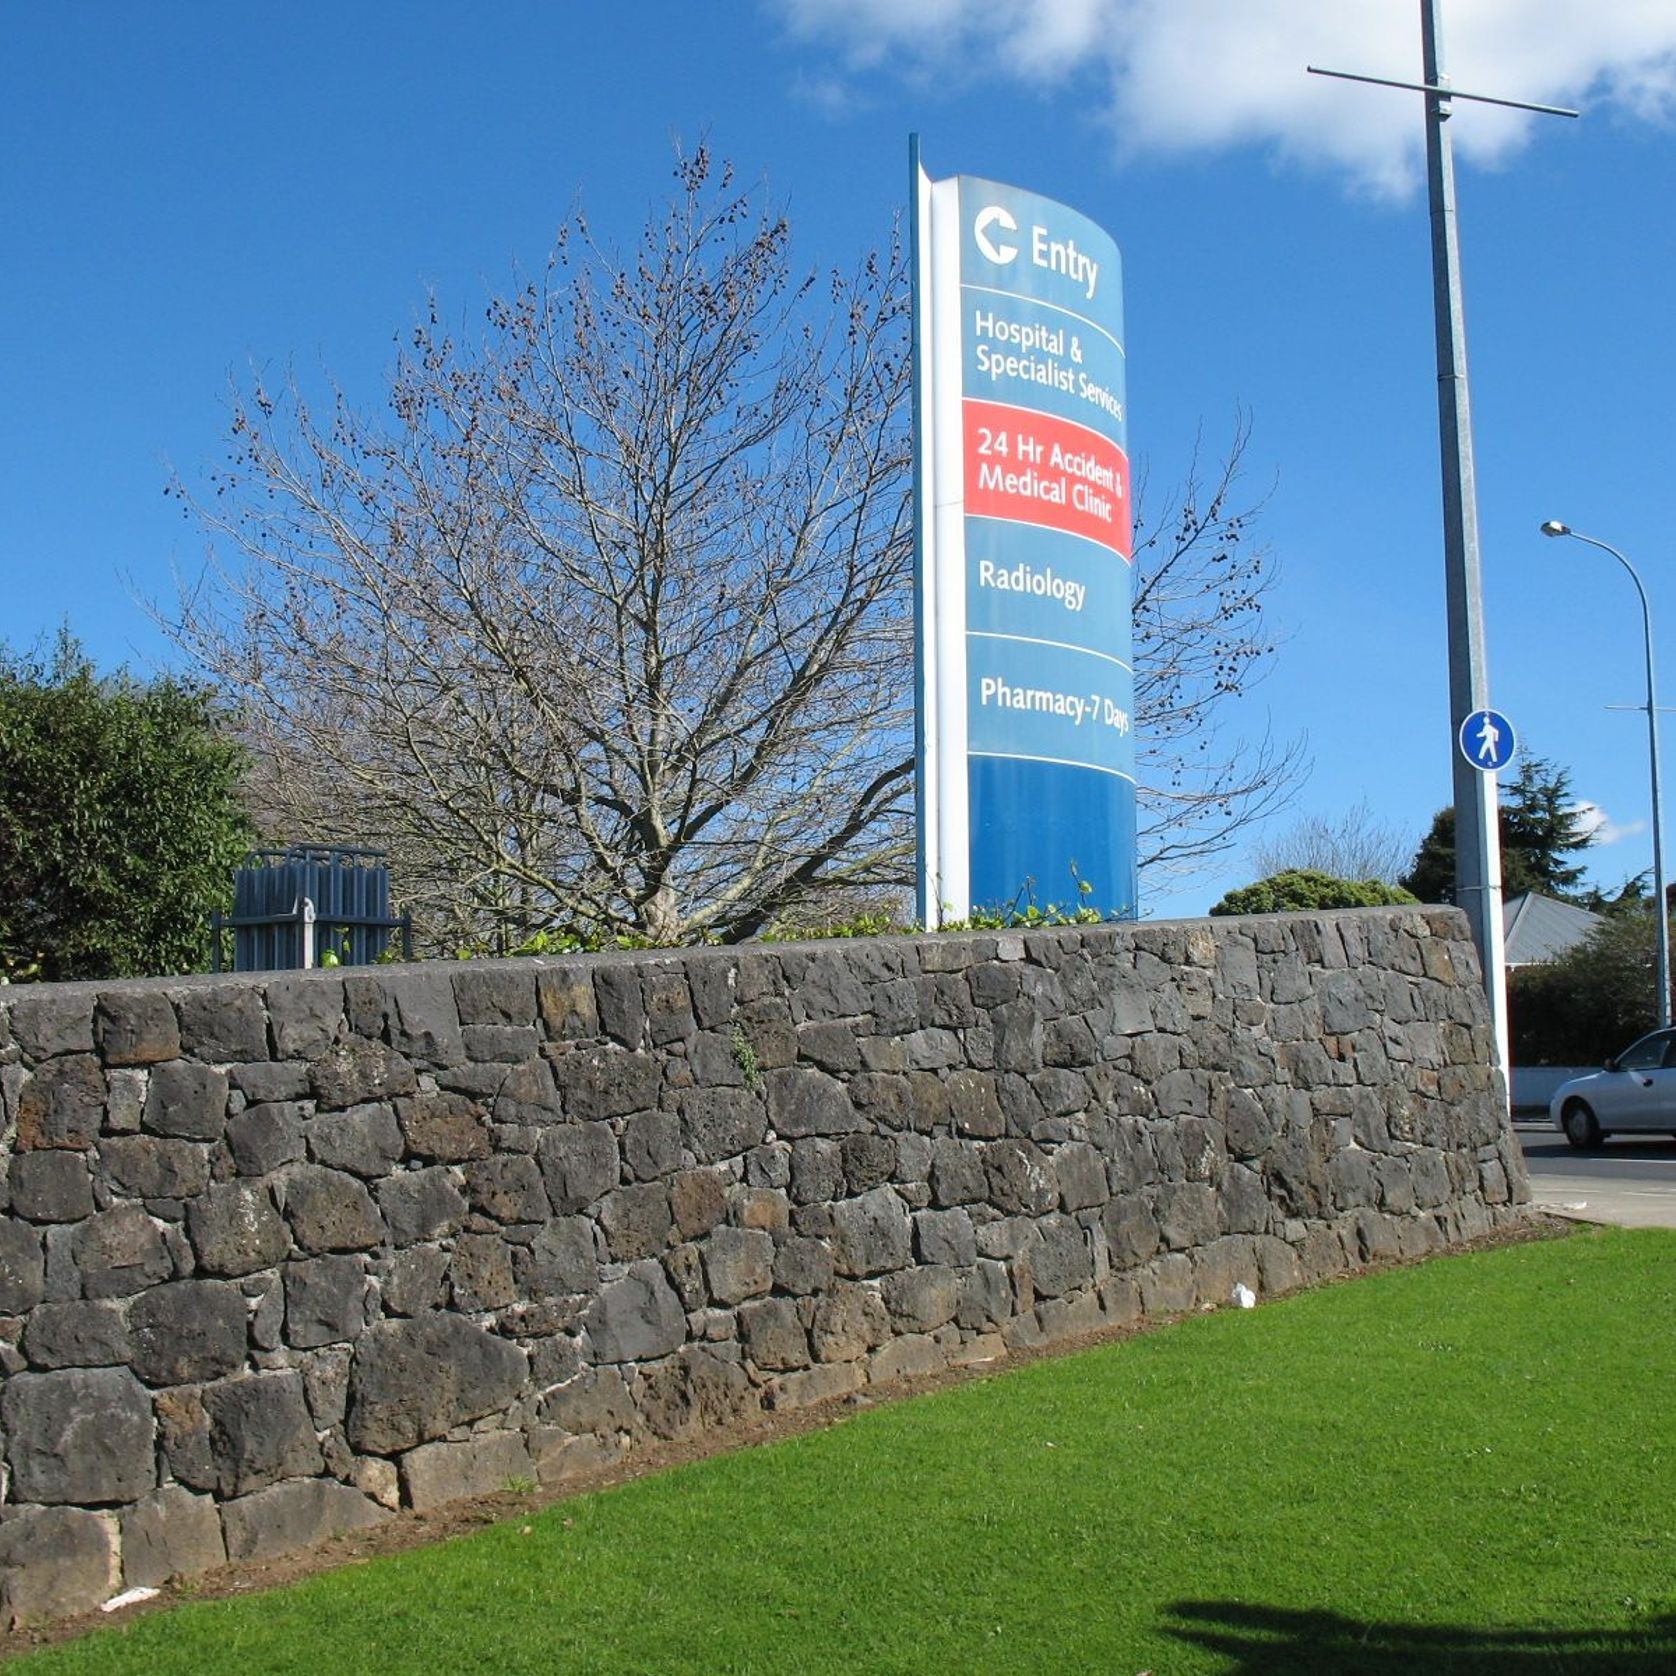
(281, 1254)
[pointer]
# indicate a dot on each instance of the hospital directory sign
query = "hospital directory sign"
(1026, 744)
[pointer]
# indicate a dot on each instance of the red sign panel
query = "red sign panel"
(1032, 468)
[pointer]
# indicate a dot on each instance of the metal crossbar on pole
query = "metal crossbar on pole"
(1477, 834)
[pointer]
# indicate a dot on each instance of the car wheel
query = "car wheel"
(1580, 1126)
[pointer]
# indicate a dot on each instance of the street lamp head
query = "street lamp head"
(1555, 527)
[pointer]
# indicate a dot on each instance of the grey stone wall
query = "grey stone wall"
(280, 1255)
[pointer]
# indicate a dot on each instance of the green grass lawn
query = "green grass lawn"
(1463, 1466)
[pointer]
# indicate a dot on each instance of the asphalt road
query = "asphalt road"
(1630, 1180)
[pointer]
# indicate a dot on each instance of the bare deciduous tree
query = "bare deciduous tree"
(612, 627)
(1202, 639)
(1355, 846)
(608, 626)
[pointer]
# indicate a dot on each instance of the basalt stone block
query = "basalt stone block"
(869, 1161)
(738, 1264)
(722, 1122)
(188, 1331)
(46, 1023)
(437, 1473)
(306, 1014)
(223, 1023)
(698, 1201)
(773, 1335)
(480, 1275)
(236, 1230)
(423, 1018)
(824, 985)
(652, 1145)
(1020, 1177)
(957, 1173)
(693, 1392)
(565, 996)
(579, 1164)
(187, 1101)
(561, 1261)
(119, 1252)
(136, 1028)
(636, 1318)
(55, 1562)
(448, 1128)
(1131, 1229)
(501, 1044)
(1245, 1205)
(669, 1008)
(262, 1081)
(416, 1205)
(51, 1186)
(357, 1071)
(412, 1381)
(622, 1011)
(171, 1533)
(920, 1300)
(325, 1374)
(596, 1400)
(804, 1101)
(817, 1170)
(22, 1268)
(364, 1140)
(945, 1237)
(1062, 1260)
(831, 1047)
(974, 1109)
(155, 1167)
(77, 1334)
(1187, 1214)
(849, 1321)
(507, 1187)
(289, 1517)
(62, 1104)
(607, 1082)
(715, 1057)
(81, 1436)
(803, 1266)
(986, 1296)
(636, 1221)
(265, 1137)
(413, 1280)
(260, 1431)
(871, 1234)
(325, 1301)
(495, 994)
(330, 1211)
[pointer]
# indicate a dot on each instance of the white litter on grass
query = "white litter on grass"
(1244, 1296)
(128, 1597)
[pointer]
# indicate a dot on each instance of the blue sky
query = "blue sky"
(189, 190)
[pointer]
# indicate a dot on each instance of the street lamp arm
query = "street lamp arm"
(1661, 909)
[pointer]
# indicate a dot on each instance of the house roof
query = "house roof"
(1538, 928)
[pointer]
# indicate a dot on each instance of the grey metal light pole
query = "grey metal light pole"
(1661, 908)
(1477, 819)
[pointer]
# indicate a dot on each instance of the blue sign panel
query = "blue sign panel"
(1048, 543)
(1487, 740)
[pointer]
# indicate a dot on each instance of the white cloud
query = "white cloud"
(1600, 827)
(1181, 76)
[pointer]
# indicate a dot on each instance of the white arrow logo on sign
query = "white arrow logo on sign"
(994, 216)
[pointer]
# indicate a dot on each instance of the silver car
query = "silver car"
(1634, 1093)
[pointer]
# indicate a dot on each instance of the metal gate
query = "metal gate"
(309, 905)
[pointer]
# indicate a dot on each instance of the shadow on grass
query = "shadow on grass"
(1267, 1640)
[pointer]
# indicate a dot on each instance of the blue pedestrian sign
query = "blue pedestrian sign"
(1487, 740)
